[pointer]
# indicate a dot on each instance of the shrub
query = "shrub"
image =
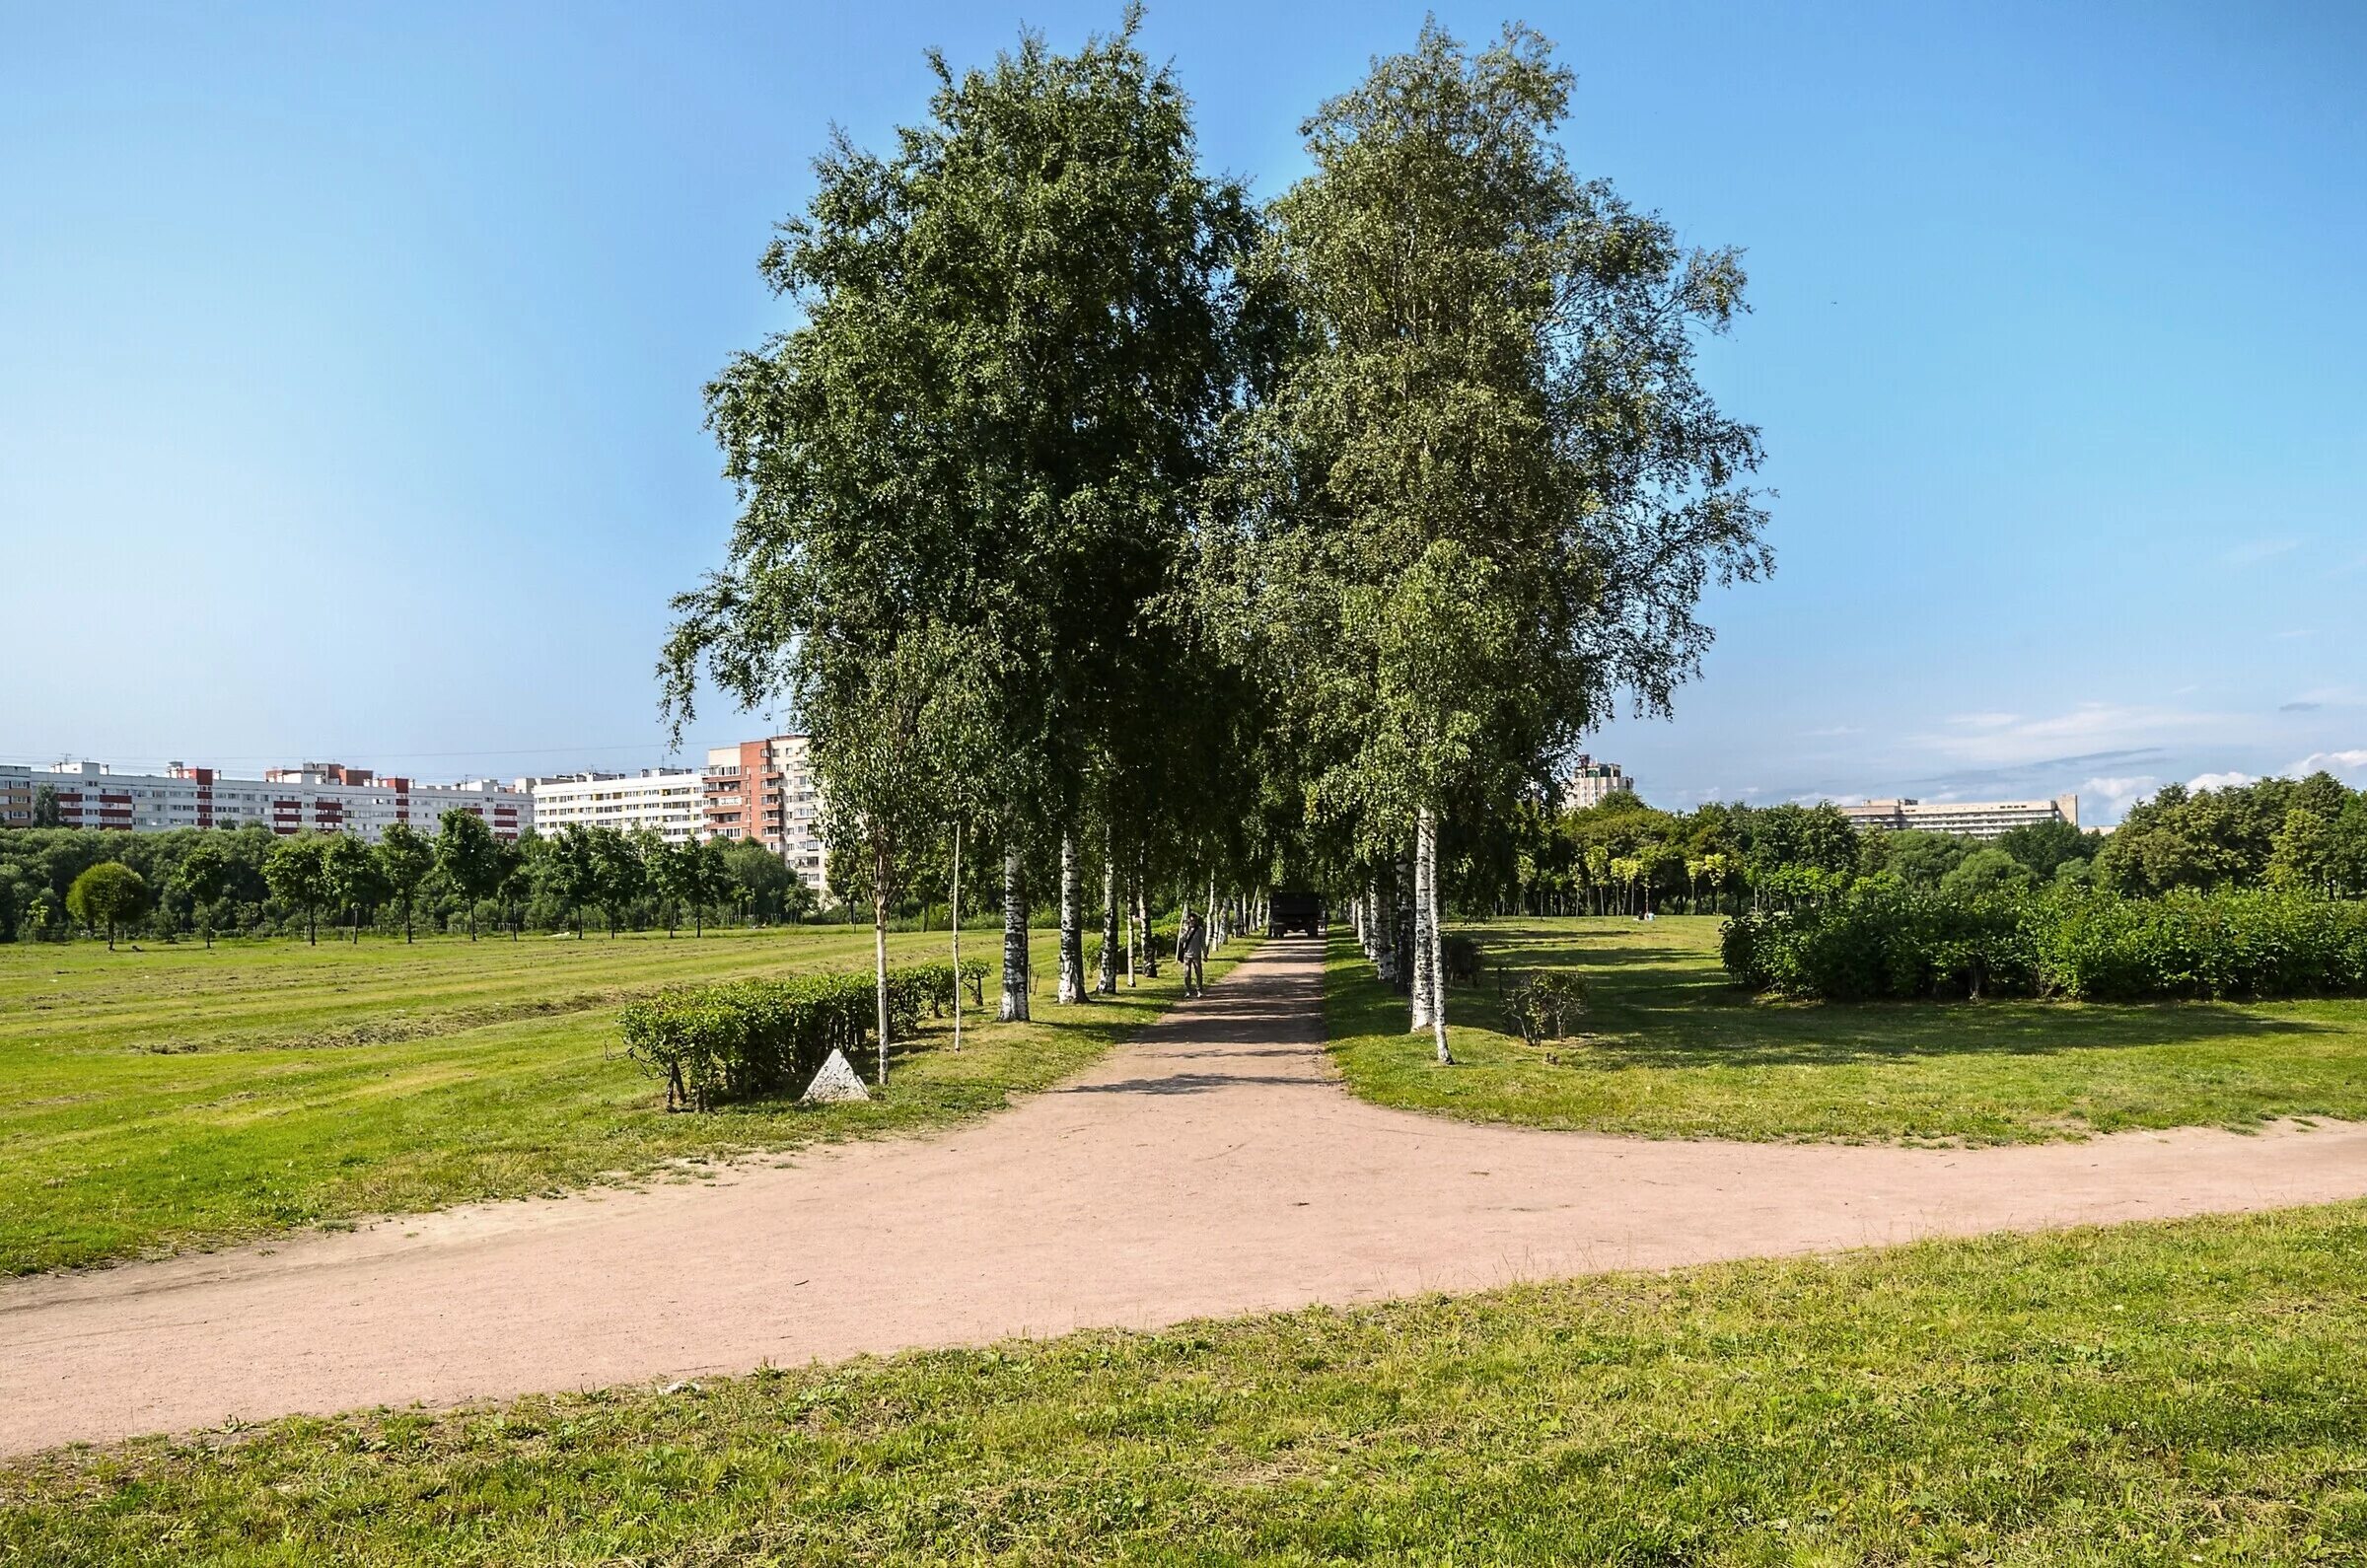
(1546, 1005)
(1888, 942)
(1462, 956)
(2191, 944)
(931, 985)
(752, 1039)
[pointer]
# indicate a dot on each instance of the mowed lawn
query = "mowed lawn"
(1671, 1049)
(177, 1098)
(2169, 1394)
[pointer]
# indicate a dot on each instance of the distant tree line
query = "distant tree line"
(248, 881)
(1624, 856)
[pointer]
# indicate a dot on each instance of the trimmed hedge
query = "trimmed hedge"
(931, 985)
(751, 1039)
(1885, 942)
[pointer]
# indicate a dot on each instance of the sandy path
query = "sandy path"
(1213, 1168)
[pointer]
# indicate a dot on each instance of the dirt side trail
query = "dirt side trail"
(1213, 1168)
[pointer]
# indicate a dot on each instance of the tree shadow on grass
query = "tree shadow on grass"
(1660, 1004)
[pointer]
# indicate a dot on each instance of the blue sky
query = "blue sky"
(350, 363)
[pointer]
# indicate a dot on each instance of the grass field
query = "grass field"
(2163, 1393)
(178, 1097)
(1671, 1049)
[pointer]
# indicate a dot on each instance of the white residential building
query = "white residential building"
(324, 797)
(664, 800)
(766, 790)
(1965, 818)
(1590, 783)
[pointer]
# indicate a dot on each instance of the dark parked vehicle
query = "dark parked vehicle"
(1295, 912)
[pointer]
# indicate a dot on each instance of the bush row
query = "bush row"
(748, 1038)
(1883, 941)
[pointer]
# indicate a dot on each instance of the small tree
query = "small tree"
(354, 883)
(2303, 854)
(108, 895)
(470, 856)
(568, 868)
(713, 882)
(203, 874)
(404, 858)
(618, 873)
(512, 873)
(1986, 871)
(297, 876)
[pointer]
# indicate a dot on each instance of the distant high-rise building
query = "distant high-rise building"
(664, 800)
(765, 791)
(1590, 783)
(1965, 818)
(323, 797)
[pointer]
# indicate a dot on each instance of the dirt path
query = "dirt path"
(1213, 1168)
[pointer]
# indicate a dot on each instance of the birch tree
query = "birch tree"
(992, 416)
(1486, 492)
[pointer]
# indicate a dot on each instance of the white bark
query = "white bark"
(1104, 980)
(1072, 921)
(1400, 925)
(956, 935)
(1015, 934)
(1438, 941)
(879, 951)
(1150, 943)
(1424, 977)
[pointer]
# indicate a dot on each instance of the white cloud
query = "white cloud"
(2119, 791)
(2005, 739)
(2259, 551)
(2349, 763)
(2217, 781)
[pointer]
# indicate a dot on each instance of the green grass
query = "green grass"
(2164, 1393)
(1671, 1049)
(179, 1097)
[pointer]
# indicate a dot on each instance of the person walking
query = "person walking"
(1191, 949)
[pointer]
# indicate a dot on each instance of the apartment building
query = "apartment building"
(666, 801)
(1966, 819)
(1590, 783)
(765, 791)
(323, 797)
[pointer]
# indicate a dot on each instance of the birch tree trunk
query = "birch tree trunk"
(1427, 829)
(1424, 939)
(1133, 903)
(1401, 925)
(1104, 980)
(879, 951)
(956, 935)
(1072, 920)
(1015, 934)
(1150, 944)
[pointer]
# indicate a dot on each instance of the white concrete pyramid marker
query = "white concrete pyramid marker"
(835, 1083)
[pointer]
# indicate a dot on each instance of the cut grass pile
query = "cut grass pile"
(179, 1097)
(1671, 1049)
(2194, 1392)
